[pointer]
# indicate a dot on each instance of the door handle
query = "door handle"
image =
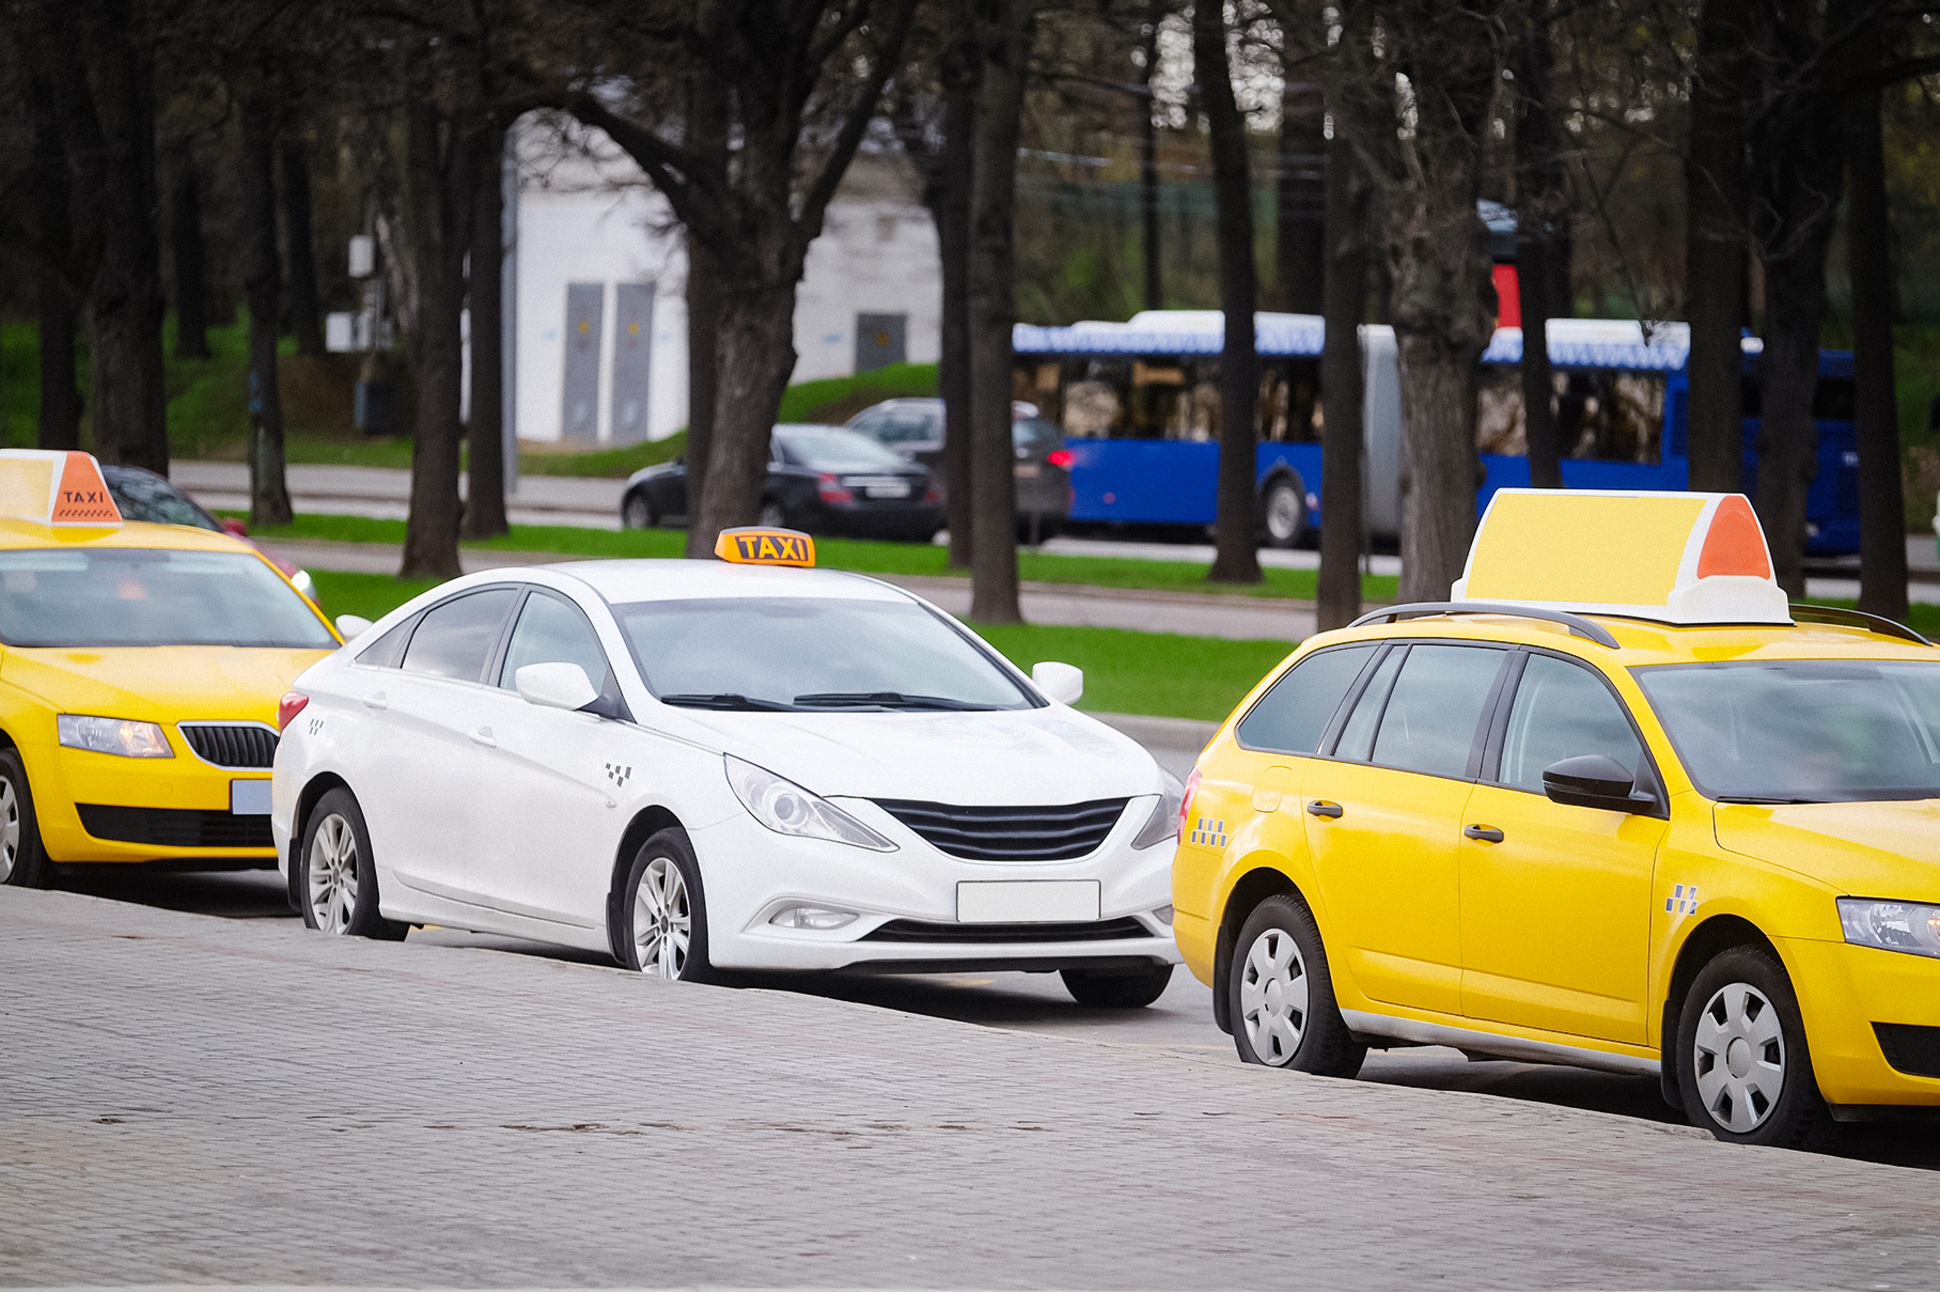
(1486, 833)
(376, 701)
(483, 736)
(1321, 807)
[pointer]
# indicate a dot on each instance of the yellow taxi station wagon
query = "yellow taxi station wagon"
(1615, 804)
(141, 668)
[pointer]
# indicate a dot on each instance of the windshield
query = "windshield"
(835, 448)
(810, 653)
(1803, 731)
(143, 597)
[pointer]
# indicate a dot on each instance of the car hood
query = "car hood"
(1000, 758)
(1889, 849)
(159, 683)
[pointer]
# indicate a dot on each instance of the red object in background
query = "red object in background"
(1508, 296)
(1185, 801)
(230, 525)
(288, 707)
(832, 490)
(1061, 458)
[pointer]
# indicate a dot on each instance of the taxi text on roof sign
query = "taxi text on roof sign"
(756, 546)
(1680, 558)
(55, 487)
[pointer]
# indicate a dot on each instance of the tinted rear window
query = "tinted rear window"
(1293, 716)
(455, 638)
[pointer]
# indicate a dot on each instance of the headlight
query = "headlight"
(120, 736)
(1163, 824)
(1891, 926)
(787, 808)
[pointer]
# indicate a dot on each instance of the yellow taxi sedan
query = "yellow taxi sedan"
(140, 671)
(1615, 805)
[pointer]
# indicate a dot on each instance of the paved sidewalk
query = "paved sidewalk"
(197, 1100)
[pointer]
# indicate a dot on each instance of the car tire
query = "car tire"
(1742, 1063)
(1282, 995)
(1283, 513)
(23, 861)
(338, 881)
(663, 912)
(773, 514)
(1099, 990)
(637, 511)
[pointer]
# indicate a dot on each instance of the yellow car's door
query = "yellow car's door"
(1556, 898)
(1384, 816)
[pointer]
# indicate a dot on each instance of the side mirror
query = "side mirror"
(1594, 781)
(350, 627)
(1064, 683)
(556, 686)
(232, 526)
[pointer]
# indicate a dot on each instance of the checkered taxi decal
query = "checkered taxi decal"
(1210, 833)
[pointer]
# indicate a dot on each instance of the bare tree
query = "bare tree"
(269, 499)
(1542, 237)
(1882, 499)
(1716, 245)
(188, 252)
(484, 288)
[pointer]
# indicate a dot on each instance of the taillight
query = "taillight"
(1185, 800)
(292, 704)
(832, 490)
(1061, 458)
(932, 494)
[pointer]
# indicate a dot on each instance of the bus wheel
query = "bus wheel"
(1284, 512)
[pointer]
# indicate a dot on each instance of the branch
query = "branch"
(674, 171)
(888, 54)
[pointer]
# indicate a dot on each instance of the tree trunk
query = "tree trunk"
(1236, 557)
(1342, 386)
(186, 248)
(1788, 438)
(306, 310)
(952, 216)
(756, 355)
(438, 198)
(707, 110)
(126, 305)
(1148, 161)
(1715, 196)
(485, 472)
(1882, 497)
(1300, 244)
(269, 497)
(1540, 208)
(49, 194)
(1008, 25)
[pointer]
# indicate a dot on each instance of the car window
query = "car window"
(456, 637)
(1432, 714)
(1356, 741)
(1293, 716)
(144, 496)
(1036, 434)
(551, 631)
(1562, 710)
(386, 650)
(835, 448)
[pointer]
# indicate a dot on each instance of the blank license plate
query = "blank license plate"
(1027, 901)
(249, 798)
(893, 489)
(1025, 471)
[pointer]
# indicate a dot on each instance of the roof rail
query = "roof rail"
(1577, 624)
(1856, 619)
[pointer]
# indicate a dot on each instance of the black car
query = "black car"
(913, 428)
(823, 479)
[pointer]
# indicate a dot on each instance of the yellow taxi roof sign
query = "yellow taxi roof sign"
(753, 545)
(55, 487)
(1679, 558)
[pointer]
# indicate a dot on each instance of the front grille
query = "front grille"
(1010, 833)
(175, 827)
(1911, 1049)
(1089, 931)
(241, 745)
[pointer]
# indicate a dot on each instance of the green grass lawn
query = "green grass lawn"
(1125, 672)
(863, 556)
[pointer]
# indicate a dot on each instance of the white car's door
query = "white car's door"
(419, 784)
(548, 794)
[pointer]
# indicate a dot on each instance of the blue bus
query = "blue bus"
(1138, 402)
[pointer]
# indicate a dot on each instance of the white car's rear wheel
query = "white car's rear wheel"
(666, 926)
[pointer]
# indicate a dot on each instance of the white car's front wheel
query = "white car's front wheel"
(664, 911)
(337, 883)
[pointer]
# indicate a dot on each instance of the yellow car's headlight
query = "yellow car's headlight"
(122, 736)
(1894, 926)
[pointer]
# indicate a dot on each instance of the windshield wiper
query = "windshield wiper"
(726, 701)
(1751, 798)
(884, 700)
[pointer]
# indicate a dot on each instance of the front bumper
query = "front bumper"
(172, 798)
(750, 873)
(1843, 990)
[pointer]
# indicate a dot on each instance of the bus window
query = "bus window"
(1607, 415)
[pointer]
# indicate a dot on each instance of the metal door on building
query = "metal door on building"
(632, 355)
(579, 414)
(879, 340)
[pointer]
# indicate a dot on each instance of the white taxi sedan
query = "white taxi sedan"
(699, 766)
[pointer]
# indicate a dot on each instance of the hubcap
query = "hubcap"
(662, 923)
(9, 830)
(1282, 514)
(1739, 1057)
(1273, 997)
(333, 874)
(636, 513)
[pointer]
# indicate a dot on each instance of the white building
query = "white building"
(597, 316)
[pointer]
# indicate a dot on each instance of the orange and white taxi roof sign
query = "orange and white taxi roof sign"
(55, 487)
(1679, 558)
(753, 545)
